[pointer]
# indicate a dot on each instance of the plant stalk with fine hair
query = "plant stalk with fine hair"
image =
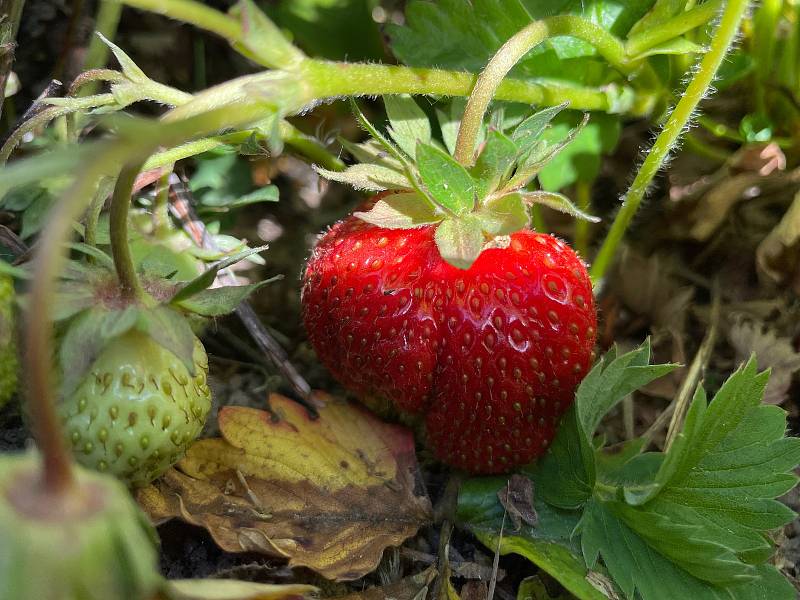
(696, 90)
(118, 229)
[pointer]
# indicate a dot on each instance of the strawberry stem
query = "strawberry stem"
(610, 47)
(697, 89)
(118, 228)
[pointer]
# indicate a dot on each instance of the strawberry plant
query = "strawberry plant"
(446, 293)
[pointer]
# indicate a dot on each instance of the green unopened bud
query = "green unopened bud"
(91, 543)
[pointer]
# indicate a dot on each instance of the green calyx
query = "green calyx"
(9, 364)
(132, 372)
(91, 543)
(471, 207)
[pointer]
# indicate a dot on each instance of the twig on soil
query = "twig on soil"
(181, 207)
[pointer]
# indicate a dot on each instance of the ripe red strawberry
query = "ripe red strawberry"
(492, 354)
(441, 299)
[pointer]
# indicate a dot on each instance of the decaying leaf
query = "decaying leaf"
(329, 494)
(414, 587)
(517, 498)
(772, 352)
(778, 255)
(230, 589)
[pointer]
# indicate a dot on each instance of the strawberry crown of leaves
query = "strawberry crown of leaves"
(470, 207)
(94, 313)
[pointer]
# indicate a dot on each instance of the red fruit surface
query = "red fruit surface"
(490, 355)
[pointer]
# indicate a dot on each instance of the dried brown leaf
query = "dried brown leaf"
(329, 494)
(778, 255)
(517, 498)
(414, 587)
(231, 589)
(772, 352)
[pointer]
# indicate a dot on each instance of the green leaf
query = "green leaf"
(102, 258)
(565, 476)
(447, 181)
(530, 131)
(450, 121)
(171, 330)
(216, 302)
(369, 177)
(86, 337)
(558, 202)
(408, 124)
(580, 159)
(268, 193)
(371, 152)
(679, 46)
(206, 278)
(549, 544)
(494, 162)
(635, 566)
(610, 380)
(460, 241)
(401, 211)
(504, 215)
(662, 11)
(464, 35)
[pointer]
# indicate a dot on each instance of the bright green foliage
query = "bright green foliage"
(8, 346)
(692, 522)
(472, 206)
(467, 34)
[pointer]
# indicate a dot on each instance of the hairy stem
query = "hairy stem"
(698, 87)
(118, 231)
(490, 80)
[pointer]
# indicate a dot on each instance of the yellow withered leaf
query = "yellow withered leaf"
(329, 493)
(230, 589)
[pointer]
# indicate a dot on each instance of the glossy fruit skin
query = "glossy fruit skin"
(491, 356)
(9, 364)
(137, 410)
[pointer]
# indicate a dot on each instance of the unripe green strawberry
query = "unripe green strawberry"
(8, 346)
(137, 409)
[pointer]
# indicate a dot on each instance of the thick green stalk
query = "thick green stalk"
(118, 232)
(698, 87)
(326, 80)
(672, 28)
(583, 197)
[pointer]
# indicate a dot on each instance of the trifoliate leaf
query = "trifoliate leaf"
(408, 124)
(216, 302)
(374, 178)
(401, 211)
(206, 278)
(504, 215)
(494, 162)
(447, 181)
(460, 241)
(558, 202)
